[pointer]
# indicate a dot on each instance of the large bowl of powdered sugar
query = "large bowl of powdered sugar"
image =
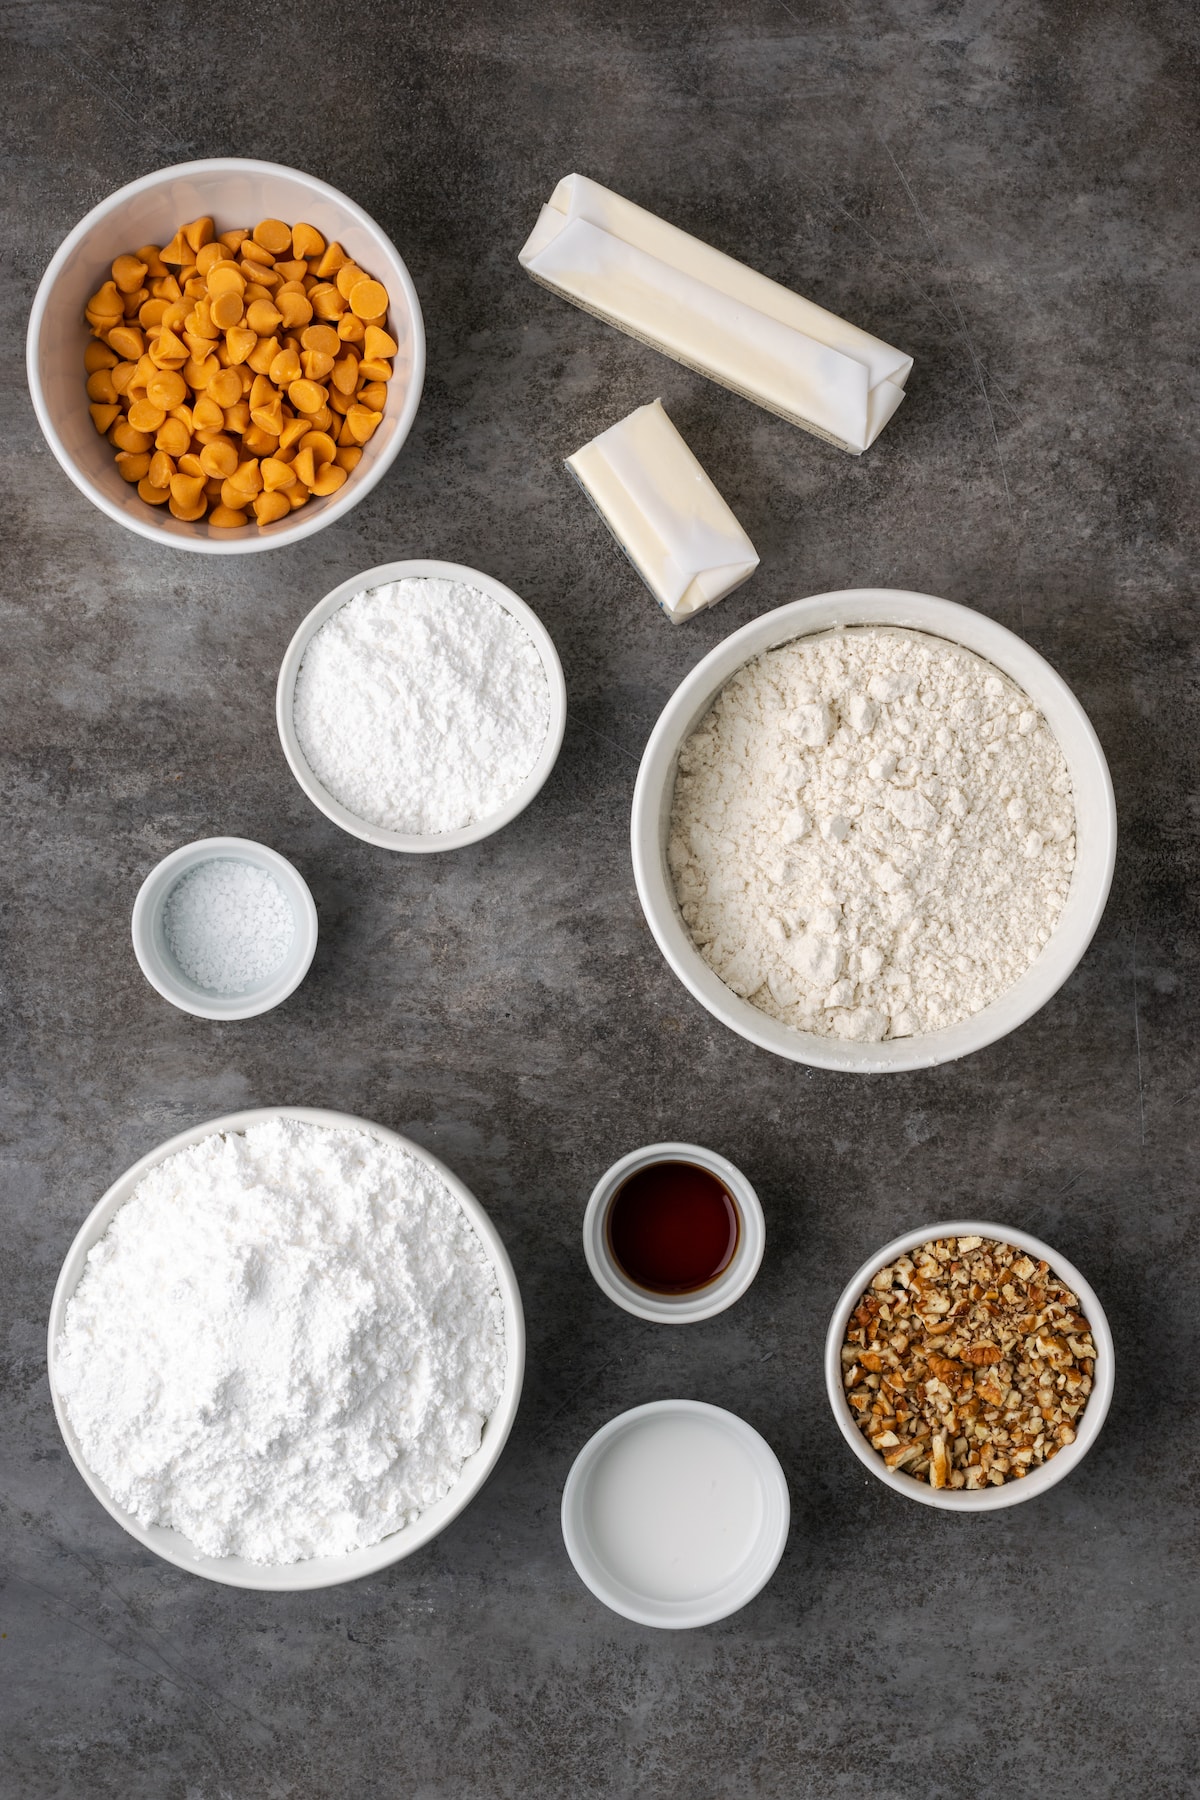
(873, 831)
(286, 1349)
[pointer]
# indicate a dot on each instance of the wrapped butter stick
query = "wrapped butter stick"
(664, 512)
(715, 315)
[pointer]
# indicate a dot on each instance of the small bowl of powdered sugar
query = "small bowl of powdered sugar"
(421, 705)
(224, 928)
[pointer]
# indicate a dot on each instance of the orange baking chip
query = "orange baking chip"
(368, 300)
(133, 465)
(128, 273)
(306, 396)
(378, 344)
(322, 338)
(345, 374)
(347, 278)
(273, 235)
(329, 479)
(226, 310)
(198, 233)
(145, 416)
(361, 422)
(272, 506)
(221, 369)
(166, 388)
(307, 240)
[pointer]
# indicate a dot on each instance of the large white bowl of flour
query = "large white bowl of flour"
(1091, 795)
(331, 1293)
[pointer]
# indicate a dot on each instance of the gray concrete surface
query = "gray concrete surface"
(1005, 190)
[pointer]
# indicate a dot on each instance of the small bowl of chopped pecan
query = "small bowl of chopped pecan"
(969, 1366)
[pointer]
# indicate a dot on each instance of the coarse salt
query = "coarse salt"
(422, 706)
(228, 924)
(286, 1344)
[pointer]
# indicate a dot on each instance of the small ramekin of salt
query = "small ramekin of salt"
(224, 928)
(421, 705)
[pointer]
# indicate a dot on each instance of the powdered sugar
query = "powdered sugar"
(285, 1345)
(872, 833)
(228, 925)
(422, 706)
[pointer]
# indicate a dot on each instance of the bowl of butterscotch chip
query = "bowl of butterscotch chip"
(226, 355)
(969, 1366)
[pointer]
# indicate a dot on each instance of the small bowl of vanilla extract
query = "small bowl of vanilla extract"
(674, 1233)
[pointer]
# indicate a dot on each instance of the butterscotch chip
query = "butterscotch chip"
(273, 235)
(328, 479)
(307, 240)
(377, 343)
(271, 506)
(368, 299)
(133, 465)
(219, 370)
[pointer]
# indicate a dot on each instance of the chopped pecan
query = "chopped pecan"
(967, 1364)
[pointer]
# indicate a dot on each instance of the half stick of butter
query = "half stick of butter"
(715, 315)
(664, 512)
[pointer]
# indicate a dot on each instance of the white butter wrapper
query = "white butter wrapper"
(664, 511)
(715, 315)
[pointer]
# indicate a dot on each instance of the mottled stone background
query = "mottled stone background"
(1005, 189)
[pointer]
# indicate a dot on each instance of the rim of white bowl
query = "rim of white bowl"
(416, 843)
(732, 1595)
(675, 1309)
(322, 1571)
(1039, 1480)
(1096, 841)
(309, 519)
(162, 974)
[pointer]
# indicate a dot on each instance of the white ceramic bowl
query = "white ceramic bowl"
(235, 191)
(675, 1309)
(321, 1571)
(1095, 825)
(416, 843)
(1013, 1492)
(631, 1533)
(159, 966)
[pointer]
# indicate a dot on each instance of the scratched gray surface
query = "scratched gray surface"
(1005, 190)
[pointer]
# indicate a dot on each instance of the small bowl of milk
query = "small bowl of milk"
(224, 928)
(676, 1514)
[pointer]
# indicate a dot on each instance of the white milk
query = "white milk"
(675, 1506)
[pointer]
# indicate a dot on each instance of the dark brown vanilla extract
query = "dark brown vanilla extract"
(673, 1227)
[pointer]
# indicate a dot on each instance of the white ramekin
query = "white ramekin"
(321, 1571)
(675, 1309)
(235, 191)
(1095, 825)
(722, 1598)
(1013, 1492)
(417, 843)
(159, 966)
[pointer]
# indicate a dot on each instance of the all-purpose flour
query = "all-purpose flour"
(422, 706)
(872, 833)
(285, 1345)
